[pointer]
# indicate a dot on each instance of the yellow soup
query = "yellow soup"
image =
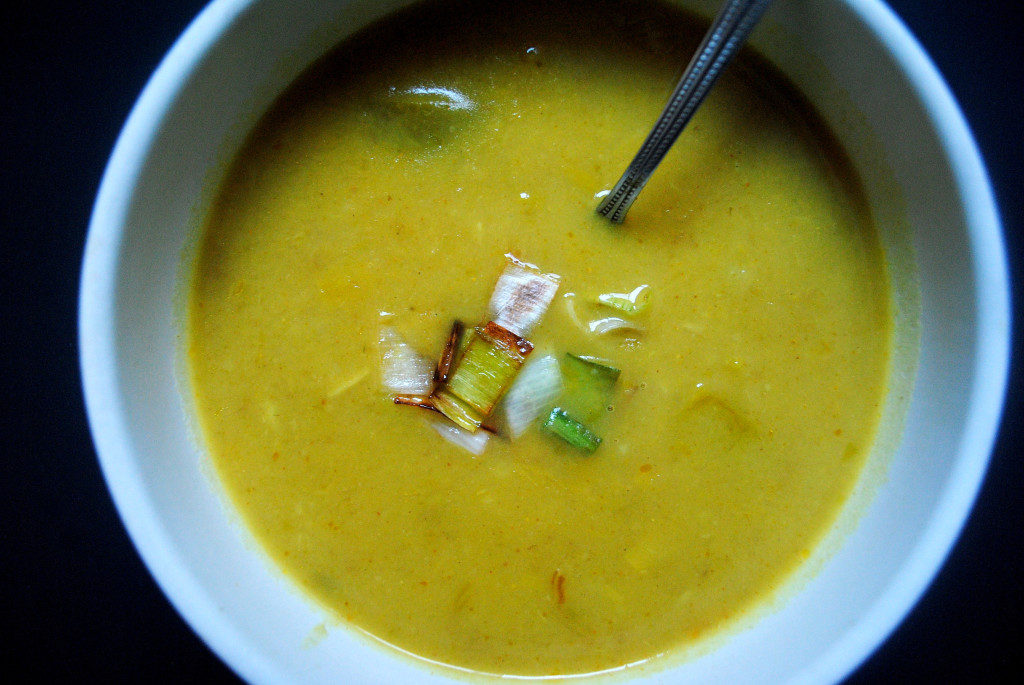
(385, 188)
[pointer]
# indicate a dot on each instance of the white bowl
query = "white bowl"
(867, 76)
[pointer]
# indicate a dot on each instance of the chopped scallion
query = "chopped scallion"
(631, 303)
(595, 368)
(571, 431)
(589, 385)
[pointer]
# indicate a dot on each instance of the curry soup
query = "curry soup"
(385, 188)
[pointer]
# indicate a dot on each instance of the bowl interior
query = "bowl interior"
(877, 90)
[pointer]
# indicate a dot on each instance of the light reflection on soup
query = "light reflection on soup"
(393, 178)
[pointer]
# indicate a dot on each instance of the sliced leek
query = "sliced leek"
(631, 303)
(486, 369)
(574, 432)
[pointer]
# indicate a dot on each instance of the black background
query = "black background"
(78, 604)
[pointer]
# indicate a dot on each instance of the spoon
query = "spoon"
(729, 30)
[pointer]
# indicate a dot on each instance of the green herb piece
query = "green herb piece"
(589, 384)
(571, 431)
(631, 303)
(597, 370)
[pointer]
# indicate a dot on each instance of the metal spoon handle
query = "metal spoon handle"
(729, 30)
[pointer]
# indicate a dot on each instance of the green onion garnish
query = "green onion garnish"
(631, 303)
(571, 431)
(589, 384)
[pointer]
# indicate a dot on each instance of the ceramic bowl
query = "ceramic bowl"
(928, 189)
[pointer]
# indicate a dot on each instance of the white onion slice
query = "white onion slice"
(404, 371)
(534, 391)
(612, 323)
(473, 442)
(521, 296)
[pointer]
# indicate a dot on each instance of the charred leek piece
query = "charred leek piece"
(571, 431)
(414, 401)
(521, 296)
(490, 362)
(448, 355)
(589, 384)
(631, 303)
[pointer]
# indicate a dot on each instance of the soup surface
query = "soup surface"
(385, 188)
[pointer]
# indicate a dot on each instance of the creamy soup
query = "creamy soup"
(383, 191)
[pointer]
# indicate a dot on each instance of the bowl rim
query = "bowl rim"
(105, 406)
(990, 375)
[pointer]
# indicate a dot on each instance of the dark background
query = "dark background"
(78, 604)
